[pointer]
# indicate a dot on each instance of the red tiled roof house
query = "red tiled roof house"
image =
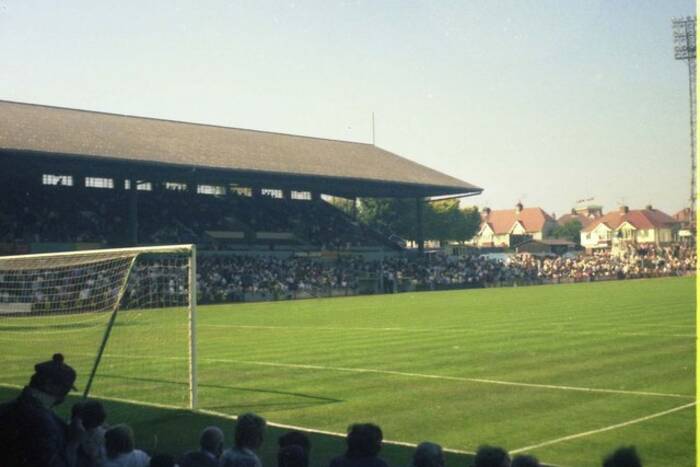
(625, 226)
(501, 228)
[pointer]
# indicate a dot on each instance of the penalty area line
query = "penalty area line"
(602, 430)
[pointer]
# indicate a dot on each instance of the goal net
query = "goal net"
(123, 318)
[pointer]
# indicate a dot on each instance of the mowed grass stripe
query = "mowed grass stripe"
(616, 335)
(439, 351)
(489, 417)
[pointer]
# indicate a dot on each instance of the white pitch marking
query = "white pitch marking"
(449, 330)
(413, 375)
(601, 430)
(453, 378)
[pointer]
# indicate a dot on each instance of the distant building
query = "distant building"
(683, 217)
(508, 227)
(629, 227)
(584, 215)
(686, 229)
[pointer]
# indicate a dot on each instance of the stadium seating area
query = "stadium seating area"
(166, 216)
(234, 278)
(65, 214)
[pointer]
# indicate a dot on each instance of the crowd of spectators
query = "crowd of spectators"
(29, 216)
(222, 278)
(633, 263)
(33, 435)
(167, 216)
(232, 278)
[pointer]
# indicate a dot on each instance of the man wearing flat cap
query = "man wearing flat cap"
(31, 434)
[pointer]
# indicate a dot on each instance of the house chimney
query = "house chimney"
(573, 211)
(650, 207)
(624, 209)
(519, 207)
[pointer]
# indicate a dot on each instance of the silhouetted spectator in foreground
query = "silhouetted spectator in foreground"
(295, 438)
(491, 456)
(292, 456)
(525, 461)
(31, 434)
(91, 451)
(162, 460)
(428, 455)
(364, 443)
(623, 457)
(211, 445)
(119, 444)
(248, 437)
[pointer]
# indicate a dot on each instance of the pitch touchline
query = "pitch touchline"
(448, 330)
(601, 430)
(452, 378)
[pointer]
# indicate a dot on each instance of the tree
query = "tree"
(469, 224)
(445, 220)
(390, 215)
(442, 220)
(569, 231)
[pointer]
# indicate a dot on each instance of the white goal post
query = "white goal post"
(75, 302)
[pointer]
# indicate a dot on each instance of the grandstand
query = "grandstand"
(67, 176)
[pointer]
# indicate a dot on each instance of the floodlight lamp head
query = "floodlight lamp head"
(684, 46)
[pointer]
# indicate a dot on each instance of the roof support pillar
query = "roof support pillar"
(133, 224)
(419, 225)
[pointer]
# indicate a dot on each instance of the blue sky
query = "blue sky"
(546, 102)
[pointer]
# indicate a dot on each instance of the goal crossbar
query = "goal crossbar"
(108, 251)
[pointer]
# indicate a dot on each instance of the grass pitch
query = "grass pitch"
(565, 372)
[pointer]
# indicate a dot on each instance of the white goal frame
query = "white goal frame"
(186, 250)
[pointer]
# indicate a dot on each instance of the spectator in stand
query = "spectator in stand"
(428, 455)
(364, 442)
(211, 445)
(623, 457)
(119, 444)
(31, 434)
(295, 438)
(248, 437)
(491, 456)
(292, 455)
(91, 451)
(525, 461)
